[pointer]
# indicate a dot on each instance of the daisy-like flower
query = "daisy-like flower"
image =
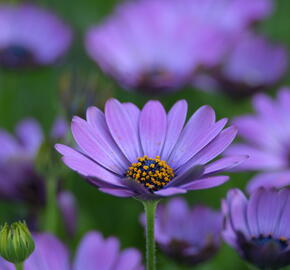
(265, 137)
(94, 253)
(31, 36)
(147, 153)
(189, 236)
(247, 67)
(152, 54)
(258, 227)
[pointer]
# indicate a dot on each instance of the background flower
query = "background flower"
(189, 236)
(258, 228)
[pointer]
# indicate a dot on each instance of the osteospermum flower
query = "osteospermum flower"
(253, 65)
(148, 153)
(258, 227)
(189, 236)
(94, 253)
(155, 53)
(266, 139)
(31, 36)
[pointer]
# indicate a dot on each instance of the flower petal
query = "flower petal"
(175, 121)
(206, 183)
(252, 214)
(152, 128)
(170, 191)
(130, 259)
(194, 132)
(123, 129)
(119, 192)
(85, 166)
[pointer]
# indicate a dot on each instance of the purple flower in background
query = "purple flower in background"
(94, 253)
(190, 236)
(153, 53)
(162, 51)
(266, 139)
(253, 65)
(18, 178)
(148, 153)
(31, 36)
(258, 228)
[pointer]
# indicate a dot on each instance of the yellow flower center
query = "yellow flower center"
(153, 173)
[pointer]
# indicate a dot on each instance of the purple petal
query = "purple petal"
(30, 135)
(133, 111)
(85, 166)
(123, 129)
(175, 121)
(258, 159)
(207, 182)
(123, 193)
(224, 163)
(9, 146)
(94, 252)
(130, 259)
(59, 129)
(49, 253)
(195, 130)
(269, 180)
(170, 191)
(4, 265)
(93, 146)
(152, 128)
(252, 218)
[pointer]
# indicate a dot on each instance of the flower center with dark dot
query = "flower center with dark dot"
(153, 173)
(282, 242)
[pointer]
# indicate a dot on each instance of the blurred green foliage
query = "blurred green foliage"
(35, 93)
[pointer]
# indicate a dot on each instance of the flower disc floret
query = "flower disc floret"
(153, 173)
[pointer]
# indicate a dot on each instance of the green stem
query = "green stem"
(150, 209)
(18, 266)
(51, 205)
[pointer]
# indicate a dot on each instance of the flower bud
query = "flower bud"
(16, 243)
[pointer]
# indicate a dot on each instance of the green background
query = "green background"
(36, 93)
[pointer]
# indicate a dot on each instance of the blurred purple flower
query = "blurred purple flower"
(30, 35)
(68, 209)
(266, 135)
(189, 236)
(155, 53)
(149, 154)
(94, 253)
(161, 52)
(59, 129)
(253, 64)
(258, 228)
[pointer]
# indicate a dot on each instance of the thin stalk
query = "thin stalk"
(18, 266)
(150, 209)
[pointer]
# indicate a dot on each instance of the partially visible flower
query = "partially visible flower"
(31, 36)
(253, 65)
(189, 236)
(258, 227)
(94, 253)
(59, 129)
(148, 153)
(16, 243)
(68, 209)
(156, 53)
(266, 135)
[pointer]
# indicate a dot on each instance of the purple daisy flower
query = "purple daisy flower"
(152, 54)
(266, 138)
(258, 228)
(94, 253)
(189, 236)
(147, 153)
(253, 65)
(31, 36)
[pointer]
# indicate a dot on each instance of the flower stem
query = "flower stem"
(150, 209)
(51, 206)
(18, 266)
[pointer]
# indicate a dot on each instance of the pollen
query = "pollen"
(153, 173)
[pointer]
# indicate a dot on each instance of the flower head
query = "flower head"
(94, 253)
(189, 236)
(258, 227)
(16, 243)
(30, 35)
(148, 154)
(266, 137)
